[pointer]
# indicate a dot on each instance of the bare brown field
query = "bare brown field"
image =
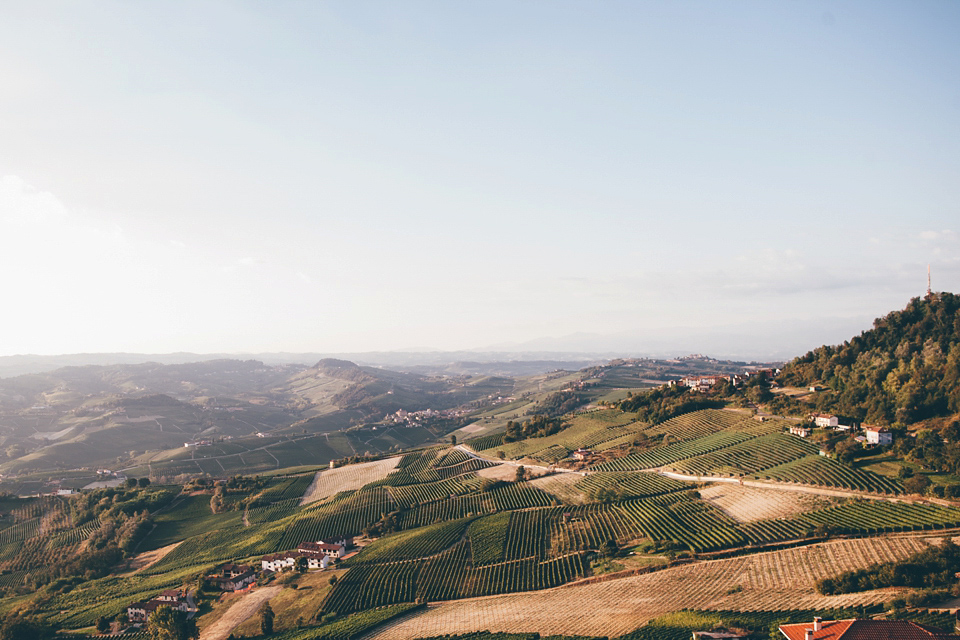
(747, 504)
(499, 472)
(147, 559)
(472, 428)
(562, 486)
(771, 581)
(349, 478)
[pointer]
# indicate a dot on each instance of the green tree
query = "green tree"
(300, 564)
(609, 548)
(266, 619)
(17, 627)
(453, 440)
(103, 625)
(917, 484)
(166, 623)
(521, 474)
(216, 502)
(143, 483)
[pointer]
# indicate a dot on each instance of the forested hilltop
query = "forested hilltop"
(904, 370)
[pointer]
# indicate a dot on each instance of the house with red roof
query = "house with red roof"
(820, 629)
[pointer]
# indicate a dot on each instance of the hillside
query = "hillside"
(904, 370)
(440, 525)
(247, 416)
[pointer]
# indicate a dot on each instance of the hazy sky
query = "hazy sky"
(336, 176)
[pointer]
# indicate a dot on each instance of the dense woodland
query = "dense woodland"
(904, 370)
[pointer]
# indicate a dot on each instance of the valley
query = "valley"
(435, 506)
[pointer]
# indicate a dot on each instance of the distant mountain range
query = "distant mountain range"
(508, 363)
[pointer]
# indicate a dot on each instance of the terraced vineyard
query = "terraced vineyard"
(416, 543)
(488, 538)
(748, 457)
(345, 517)
(822, 471)
(42, 535)
(697, 424)
(448, 576)
(775, 581)
(408, 495)
(506, 498)
(880, 516)
(672, 453)
(630, 485)
(595, 429)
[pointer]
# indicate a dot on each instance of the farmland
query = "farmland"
(443, 526)
(349, 478)
(780, 580)
(747, 504)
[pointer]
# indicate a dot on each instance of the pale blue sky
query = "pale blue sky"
(385, 175)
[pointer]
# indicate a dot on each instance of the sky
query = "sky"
(717, 177)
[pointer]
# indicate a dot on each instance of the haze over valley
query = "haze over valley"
(418, 320)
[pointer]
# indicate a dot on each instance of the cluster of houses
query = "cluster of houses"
(416, 417)
(319, 555)
(226, 577)
(872, 434)
(703, 383)
(197, 443)
(173, 598)
(231, 577)
(236, 577)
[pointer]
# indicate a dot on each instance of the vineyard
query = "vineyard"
(876, 516)
(353, 626)
(342, 517)
(408, 495)
(697, 424)
(42, 534)
(630, 485)
(672, 453)
(749, 457)
(416, 543)
(454, 535)
(447, 576)
(562, 486)
(595, 429)
(822, 471)
(488, 538)
(348, 478)
(286, 488)
(505, 498)
(776, 581)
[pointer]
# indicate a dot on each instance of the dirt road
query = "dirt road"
(240, 611)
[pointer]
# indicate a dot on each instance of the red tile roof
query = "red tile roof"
(866, 630)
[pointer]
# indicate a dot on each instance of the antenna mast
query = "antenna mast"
(929, 290)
